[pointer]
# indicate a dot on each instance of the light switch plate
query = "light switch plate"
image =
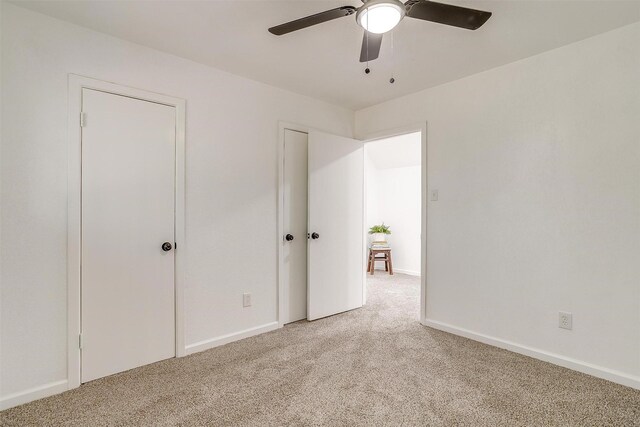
(246, 300)
(434, 195)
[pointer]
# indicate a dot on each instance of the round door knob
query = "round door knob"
(314, 235)
(166, 246)
(289, 237)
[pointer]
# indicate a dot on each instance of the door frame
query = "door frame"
(283, 291)
(74, 214)
(389, 133)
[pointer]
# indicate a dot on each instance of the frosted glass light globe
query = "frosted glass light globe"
(380, 16)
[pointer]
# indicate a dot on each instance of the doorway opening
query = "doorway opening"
(393, 217)
(324, 223)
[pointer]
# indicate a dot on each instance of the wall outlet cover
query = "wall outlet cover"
(565, 320)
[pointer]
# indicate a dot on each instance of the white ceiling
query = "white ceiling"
(322, 61)
(396, 152)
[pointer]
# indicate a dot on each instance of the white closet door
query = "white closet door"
(336, 199)
(128, 178)
(295, 224)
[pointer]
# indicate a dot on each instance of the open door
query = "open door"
(336, 203)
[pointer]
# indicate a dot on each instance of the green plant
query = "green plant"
(384, 229)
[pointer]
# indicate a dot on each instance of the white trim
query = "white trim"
(397, 270)
(407, 272)
(389, 133)
(365, 221)
(32, 394)
(76, 84)
(226, 339)
(556, 359)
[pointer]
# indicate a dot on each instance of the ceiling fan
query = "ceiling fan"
(380, 16)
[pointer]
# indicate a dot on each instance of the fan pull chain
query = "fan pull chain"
(367, 70)
(393, 59)
(366, 34)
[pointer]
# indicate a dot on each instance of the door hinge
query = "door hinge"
(83, 119)
(80, 341)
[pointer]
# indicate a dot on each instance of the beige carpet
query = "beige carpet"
(373, 366)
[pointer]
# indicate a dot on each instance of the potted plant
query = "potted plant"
(380, 232)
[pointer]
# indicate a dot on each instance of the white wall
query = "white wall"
(394, 196)
(537, 164)
(232, 129)
(399, 206)
(371, 192)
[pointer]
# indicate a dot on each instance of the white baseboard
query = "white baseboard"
(225, 339)
(399, 270)
(556, 359)
(407, 272)
(32, 394)
(50, 389)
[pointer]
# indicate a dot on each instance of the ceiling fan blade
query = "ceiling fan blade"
(308, 21)
(447, 14)
(370, 46)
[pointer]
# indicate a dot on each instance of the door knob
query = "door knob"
(289, 237)
(314, 235)
(166, 246)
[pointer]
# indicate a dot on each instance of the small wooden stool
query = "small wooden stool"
(386, 257)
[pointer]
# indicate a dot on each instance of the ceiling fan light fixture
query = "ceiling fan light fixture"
(380, 16)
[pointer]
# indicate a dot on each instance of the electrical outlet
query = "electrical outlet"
(565, 320)
(434, 195)
(246, 300)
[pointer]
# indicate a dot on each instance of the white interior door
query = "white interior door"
(127, 279)
(294, 240)
(336, 203)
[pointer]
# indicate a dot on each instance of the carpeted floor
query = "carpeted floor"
(373, 366)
